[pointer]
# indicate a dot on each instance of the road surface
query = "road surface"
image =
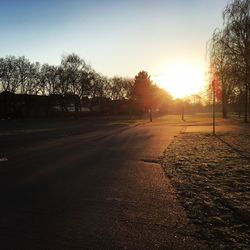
(94, 190)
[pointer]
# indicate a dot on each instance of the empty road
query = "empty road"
(98, 189)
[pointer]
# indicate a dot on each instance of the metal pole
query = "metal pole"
(213, 107)
(182, 112)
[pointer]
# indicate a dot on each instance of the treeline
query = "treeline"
(72, 76)
(230, 57)
(76, 83)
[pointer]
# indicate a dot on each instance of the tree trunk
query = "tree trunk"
(182, 113)
(246, 105)
(239, 106)
(76, 112)
(150, 115)
(224, 108)
(248, 102)
(224, 103)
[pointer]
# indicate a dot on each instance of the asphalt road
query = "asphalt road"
(92, 190)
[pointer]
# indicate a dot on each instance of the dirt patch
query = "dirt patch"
(212, 183)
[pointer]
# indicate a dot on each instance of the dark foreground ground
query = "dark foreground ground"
(98, 184)
(89, 185)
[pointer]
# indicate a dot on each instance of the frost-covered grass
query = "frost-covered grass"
(212, 183)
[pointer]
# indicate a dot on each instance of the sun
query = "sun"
(181, 79)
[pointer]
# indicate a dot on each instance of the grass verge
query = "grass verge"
(212, 183)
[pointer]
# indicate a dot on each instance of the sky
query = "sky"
(117, 37)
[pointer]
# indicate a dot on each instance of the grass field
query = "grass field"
(211, 177)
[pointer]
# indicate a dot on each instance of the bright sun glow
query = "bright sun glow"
(181, 79)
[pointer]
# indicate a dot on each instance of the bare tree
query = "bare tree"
(48, 79)
(120, 88)
(9, 74)
(33, 79)
(229, 54)
(237, 20)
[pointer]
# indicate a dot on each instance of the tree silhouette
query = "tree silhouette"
(230, 55)
(74, 83)
(143, 92)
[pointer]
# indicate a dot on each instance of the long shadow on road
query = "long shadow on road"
(93, 192)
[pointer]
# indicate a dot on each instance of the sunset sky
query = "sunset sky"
(116, 37)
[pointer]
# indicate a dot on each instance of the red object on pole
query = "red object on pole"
(217, 89)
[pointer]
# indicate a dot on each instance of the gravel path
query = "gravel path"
(212, 183)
